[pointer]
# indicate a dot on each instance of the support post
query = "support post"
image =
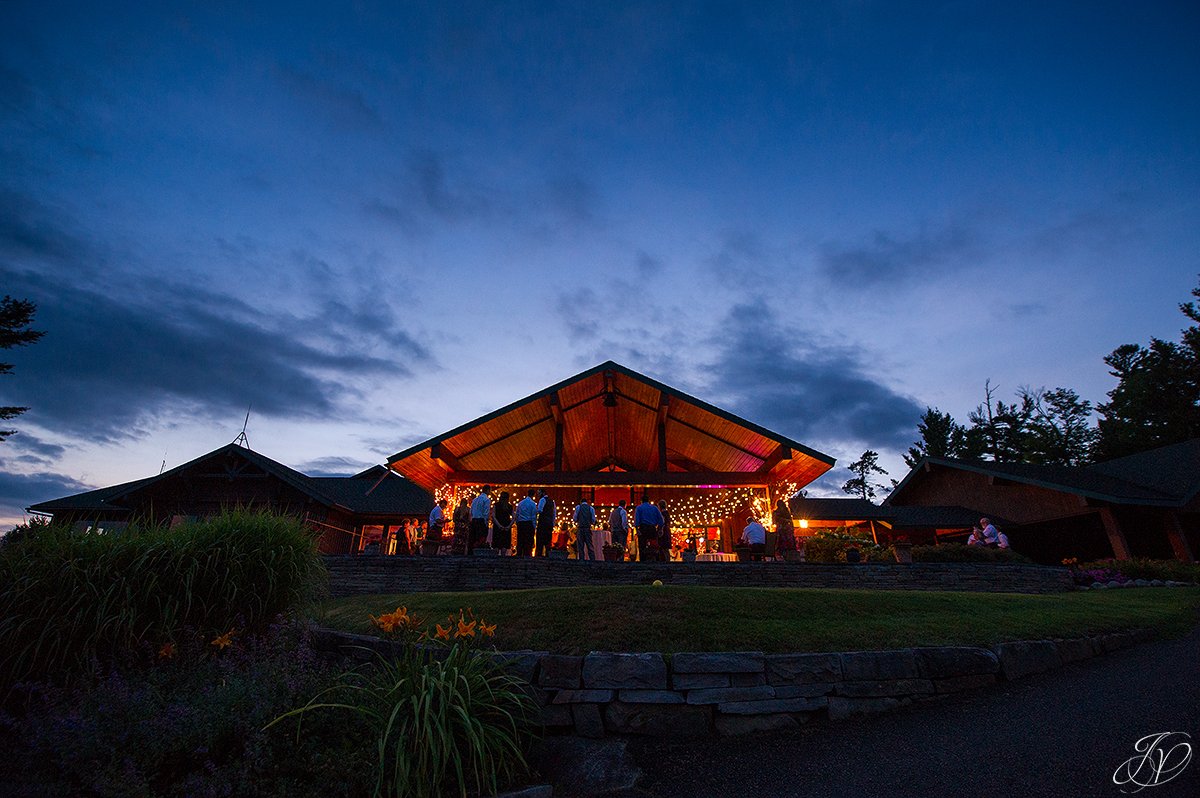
(1116, 536)
(1179, 544)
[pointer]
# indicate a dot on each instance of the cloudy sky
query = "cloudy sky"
(371, 222)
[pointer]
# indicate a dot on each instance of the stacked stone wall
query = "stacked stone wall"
(686, 695)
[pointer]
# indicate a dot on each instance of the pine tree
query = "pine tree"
(941, 436)
(864, 468)
(1157, 398)
(15, 317)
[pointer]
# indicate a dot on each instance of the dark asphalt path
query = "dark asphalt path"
(1057, 734)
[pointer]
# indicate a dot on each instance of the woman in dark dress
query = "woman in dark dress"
(462, 526)
(502, 521)
(782, 518)
(664, 534)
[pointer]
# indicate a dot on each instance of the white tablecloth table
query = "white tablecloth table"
(716, 556)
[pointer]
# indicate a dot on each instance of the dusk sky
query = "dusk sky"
(370, 223)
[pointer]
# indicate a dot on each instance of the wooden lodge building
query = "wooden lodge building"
(610, 434)
(1143, 505)
(348, 512)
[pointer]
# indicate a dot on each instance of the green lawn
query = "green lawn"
(670, 619)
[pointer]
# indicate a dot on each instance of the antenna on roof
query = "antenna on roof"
(241, 439)
(163, 467)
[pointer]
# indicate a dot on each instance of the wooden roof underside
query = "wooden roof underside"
(610, 425)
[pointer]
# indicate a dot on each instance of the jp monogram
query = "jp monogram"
(1160, 757)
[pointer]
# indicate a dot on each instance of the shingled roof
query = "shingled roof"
(384, 494)
(1166, 477)
(850, 509)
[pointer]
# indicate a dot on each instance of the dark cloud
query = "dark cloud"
(333, 466)
(30, 229)
(339, 105)
(771, 375)
(452, 200)
(582, 313)
(742, 257)
(18, 491)
(116, 359)
(402, 217)
(439, 188)
(887, 259)
(32, 450)
(16, 92)
(648, 266)
(572, 197)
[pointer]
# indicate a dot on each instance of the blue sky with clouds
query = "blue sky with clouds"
(371, 222)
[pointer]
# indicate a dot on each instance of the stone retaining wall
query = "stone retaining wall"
(366, 575)
(703, 694)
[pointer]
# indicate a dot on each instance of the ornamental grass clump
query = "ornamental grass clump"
(442, 723)
(70, 600)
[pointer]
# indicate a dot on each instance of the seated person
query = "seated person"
(755, 536)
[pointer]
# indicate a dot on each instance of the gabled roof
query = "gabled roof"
(1167, 476)
(89, 500)
(386, 494)
(849, 509)
(608, 419)
(837, 509)
(1172, 470)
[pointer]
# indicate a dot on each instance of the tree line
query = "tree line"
(1156, 402)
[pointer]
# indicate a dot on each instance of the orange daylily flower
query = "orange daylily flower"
(225, 640)
(442, 632)
(490, 631)
(465, 629)
(167, 651)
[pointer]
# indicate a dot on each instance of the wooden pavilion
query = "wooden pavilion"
(610, 433)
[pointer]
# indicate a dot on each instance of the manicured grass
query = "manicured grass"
(671, 619)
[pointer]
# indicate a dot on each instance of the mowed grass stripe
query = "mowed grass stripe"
(671, 619)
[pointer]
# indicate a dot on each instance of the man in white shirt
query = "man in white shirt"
(755, 536)
(585, 519)
(481, 511)
(991, 535)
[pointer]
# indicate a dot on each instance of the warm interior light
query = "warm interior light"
(804, 523)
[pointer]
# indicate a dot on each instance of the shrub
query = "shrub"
(1145, 568)
(960, 552)
(69, 600)
(190, 725)
(439, 726)
(831, 545)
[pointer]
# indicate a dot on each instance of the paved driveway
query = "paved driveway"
(1057, 734)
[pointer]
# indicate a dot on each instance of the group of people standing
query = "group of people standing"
(652, 525)
(534, 518)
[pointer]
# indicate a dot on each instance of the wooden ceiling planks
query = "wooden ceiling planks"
(611, 415)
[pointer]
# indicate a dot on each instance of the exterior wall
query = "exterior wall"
(365, 575)
(1050, 542)
(1014, 501)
